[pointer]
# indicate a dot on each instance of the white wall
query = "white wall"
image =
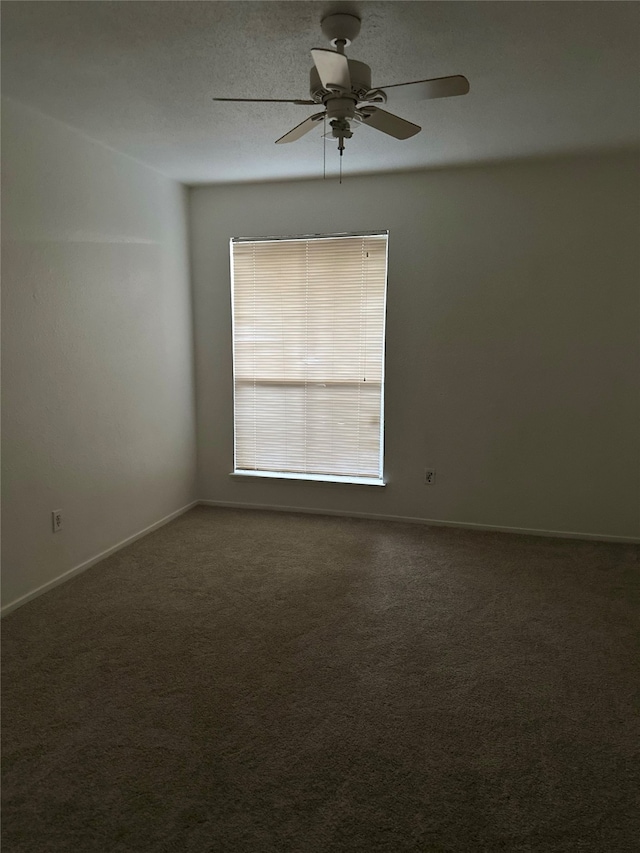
(98, 390)
(513, 340)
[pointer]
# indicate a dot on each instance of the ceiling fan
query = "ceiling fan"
(343, 87)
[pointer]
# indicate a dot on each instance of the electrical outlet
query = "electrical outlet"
(429, 476)
(56, 520)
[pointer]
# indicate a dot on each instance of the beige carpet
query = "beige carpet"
(252, 682)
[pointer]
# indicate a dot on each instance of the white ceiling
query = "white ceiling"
(546, 78)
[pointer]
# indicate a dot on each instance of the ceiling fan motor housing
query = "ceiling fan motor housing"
(360, 82)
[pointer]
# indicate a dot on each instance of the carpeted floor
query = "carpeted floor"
(254, 682)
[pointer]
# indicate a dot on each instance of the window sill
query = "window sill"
(306, 478)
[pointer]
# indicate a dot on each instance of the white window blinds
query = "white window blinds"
(308, 348)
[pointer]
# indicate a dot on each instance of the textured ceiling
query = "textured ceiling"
(546, 78)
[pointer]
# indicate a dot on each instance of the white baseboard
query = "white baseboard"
(65, 576)
(434, 522)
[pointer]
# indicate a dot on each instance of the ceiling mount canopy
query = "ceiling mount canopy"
(340, 29)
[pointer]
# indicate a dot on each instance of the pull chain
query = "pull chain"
(324, 149)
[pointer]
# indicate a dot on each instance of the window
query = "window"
(308, 355)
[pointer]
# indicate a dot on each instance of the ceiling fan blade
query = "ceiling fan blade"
(333, 68)
(388, 123)
(302, 128)
(266, 101)
(419, 90)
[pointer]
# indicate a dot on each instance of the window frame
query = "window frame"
(247, 474)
